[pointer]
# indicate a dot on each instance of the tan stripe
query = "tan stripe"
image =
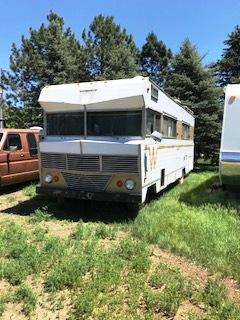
(171, 146)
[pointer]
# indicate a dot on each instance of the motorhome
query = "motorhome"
(113, 140)
(230, 141)
(18, 155)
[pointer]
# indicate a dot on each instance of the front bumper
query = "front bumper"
(98, 196)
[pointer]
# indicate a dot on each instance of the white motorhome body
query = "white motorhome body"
(230, 142)
(113, 140)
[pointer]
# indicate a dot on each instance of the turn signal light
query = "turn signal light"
(56, 178)
(119, 183)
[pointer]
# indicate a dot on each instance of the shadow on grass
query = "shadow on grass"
(74, 210)
(14, 188)
(204, 195)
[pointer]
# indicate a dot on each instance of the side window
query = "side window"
(185, 131)
(150, 121)
(153, 121)
(32, 144)
(13, 142)
(169, 127)
(154, 93)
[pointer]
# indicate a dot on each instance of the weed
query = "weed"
(102, 232)
(170, 290)
(30, 190)
(25, 294)
(39, 215)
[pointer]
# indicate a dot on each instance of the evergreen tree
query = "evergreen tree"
(111, 53)
(155, 59)
(194, 85)
(228, 68)
(50, 55)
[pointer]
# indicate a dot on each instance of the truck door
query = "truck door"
(15, 154)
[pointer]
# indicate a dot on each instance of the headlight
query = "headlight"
(129, 184)
(48, 178)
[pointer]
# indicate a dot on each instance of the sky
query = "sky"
(206, 23)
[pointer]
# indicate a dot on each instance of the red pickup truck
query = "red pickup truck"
(18, 155)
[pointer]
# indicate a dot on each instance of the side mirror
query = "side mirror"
(157, 136)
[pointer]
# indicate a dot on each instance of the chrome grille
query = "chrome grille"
(86, 182)
(120, 164)
(53, 160)
(83, 163)
(91, 163)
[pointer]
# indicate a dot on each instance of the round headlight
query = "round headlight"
(129, 184)
(48, 178)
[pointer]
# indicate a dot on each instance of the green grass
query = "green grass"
(108, 270)
(192, 222)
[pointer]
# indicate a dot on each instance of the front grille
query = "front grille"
(91, 163)
(83, 163)
(120, 164)
(53, 160)
(92, 183)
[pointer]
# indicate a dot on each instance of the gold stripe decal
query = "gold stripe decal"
(171, 146)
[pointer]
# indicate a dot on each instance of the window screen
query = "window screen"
(32, 144)
(169, 127)
(13, 142)
(66, 124)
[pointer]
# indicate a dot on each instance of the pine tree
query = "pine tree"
(50, 55)
(228, 68)
(111, 53)
(194, 85)
(155, 59)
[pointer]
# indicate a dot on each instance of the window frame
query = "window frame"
(155, 115)
(64, 113)
(34, 155)
(120, 112)
(6, 143)
(184, 124)
(154, 93)
(165, 116)
(85, 113)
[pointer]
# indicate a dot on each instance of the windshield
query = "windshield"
(117, 123)
(65, 124)
(114, 123)
(1, 134)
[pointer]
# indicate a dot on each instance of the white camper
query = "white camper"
(113, 140)
(230, 142)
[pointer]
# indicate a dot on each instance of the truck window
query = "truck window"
(1, 134)
(32, 144)
(13, 142)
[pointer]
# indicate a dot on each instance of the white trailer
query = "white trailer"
(113, 140)
(230, 142)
